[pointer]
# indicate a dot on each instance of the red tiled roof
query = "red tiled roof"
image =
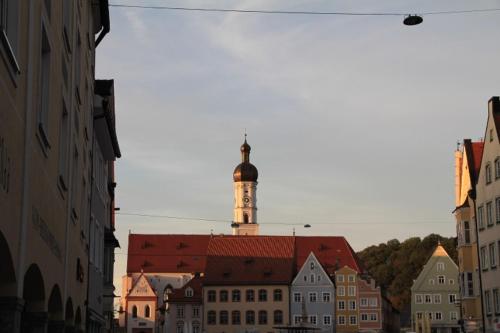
(179, 295)
(167, 253)
(225, 270)
(252, 246)
(284, 255)
(333, 252)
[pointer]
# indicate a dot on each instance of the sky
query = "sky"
(353, 120)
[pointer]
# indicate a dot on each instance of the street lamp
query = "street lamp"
(413, 20)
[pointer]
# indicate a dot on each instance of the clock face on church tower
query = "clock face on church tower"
(246, 200)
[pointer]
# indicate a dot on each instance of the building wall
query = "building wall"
(46, 88)
(269, 306)
(141, 322)
(370, 305)
(185, 321)
(346, 277)
(489, 232)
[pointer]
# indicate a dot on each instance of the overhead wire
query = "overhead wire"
(301, 12)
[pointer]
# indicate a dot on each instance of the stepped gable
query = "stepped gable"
(179, 295)
(167, 253)
(333, 252)
(252, 260)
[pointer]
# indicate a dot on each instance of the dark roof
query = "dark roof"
(474, 153)
(245, 172)
(179, 295)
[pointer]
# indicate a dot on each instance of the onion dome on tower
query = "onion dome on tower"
(245, 171)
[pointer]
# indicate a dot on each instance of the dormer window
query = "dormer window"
(189, 292)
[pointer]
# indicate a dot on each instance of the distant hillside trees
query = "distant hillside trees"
(395, 265)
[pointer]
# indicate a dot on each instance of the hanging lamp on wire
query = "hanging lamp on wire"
(413, 20)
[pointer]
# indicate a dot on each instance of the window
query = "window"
(340, 278)
(496, 301)
(451, 281)
(441, 279)
(180, 311)
(297, 319)
(453, 315)
(487, 301)
(418, 299)
(312, 278)
(313, 297)
(327, 297)
(211, 318)
(352, 278)
(250, 317)
(250, 295)
(44, 97)
(351, 291)
(236, 318)
(189, 292)
(373, 317)
(497, 209)
(311, 265)
(63, 147)
(489, 214)
(341, 291)
(493, 255)
(352, 305)
(341, 305)
(431, 282)
(8, 28)
(147, 311)
(363, 302)
(196, 327)
(438, 316)
(327, 320)
(223, 296)
(297, 297)
(313, 319)
(497, 168)
(341, 320)
(440, 266)
(353, 320)
(262, 295)
(134, 311)
(179, 328)
(278, 317)
(484, 258)
(319, 278)
(428, 299)
(364, 317)
(419, 315)
(236, 295)
(277, 295)
(305, 278)
(223, 318)
(429, 314)
(373, 302)
(487, 175)
(437, 298)
(196, 312)
(480, 217)
(211, 296)
(166, 292)
(452, 298)
(262, 317)
(467, 231)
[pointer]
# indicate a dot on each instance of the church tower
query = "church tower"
(245, 195)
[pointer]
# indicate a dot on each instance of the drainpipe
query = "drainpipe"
(472, 195)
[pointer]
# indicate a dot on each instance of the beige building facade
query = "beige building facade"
(47, 57)
(248, 308)
(488, 217)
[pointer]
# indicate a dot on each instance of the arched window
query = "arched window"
(211, 295)
(250, 295)
(223, 296)
(236, 295)
(278, 317)
(179, 327)
(189, 292)
(262, 295)
(223, 318)
(245, 218)
(166, 292)
(134, 311)
(147, 311)
(196, 327)
(262, 317)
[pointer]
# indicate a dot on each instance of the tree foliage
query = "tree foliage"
(395, 265)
